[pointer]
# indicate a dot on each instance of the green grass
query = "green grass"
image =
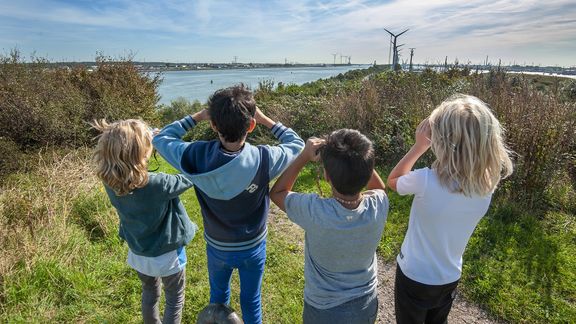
(519, 265)
(86, 279)
(523, 268)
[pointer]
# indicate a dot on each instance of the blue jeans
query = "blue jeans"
(362, 310)
(250, 265)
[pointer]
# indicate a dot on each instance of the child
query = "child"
(153, 221)
(342, 232)
(450, 199)
(231, 181)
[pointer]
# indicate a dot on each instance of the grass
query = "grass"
(73, 269)
(70, 265)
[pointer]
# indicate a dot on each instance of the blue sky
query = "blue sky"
(521, 31)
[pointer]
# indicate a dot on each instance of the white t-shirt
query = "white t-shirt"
(441, 223)
(163, 265)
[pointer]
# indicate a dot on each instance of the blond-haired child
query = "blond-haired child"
(153, 221)
(449, 200)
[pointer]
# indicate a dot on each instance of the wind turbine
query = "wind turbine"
(334, 57)
(395, 48)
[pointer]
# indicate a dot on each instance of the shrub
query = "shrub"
(176, 110)
(540, 129)
(42, 104)
(388, 106)
(10, 157)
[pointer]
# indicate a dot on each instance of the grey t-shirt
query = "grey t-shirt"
(340, 245)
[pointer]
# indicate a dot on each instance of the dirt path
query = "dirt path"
(462, 310)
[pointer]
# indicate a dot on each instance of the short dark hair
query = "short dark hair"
(231, 110)
(348, 158)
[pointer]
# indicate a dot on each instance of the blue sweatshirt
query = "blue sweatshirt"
(232, 188)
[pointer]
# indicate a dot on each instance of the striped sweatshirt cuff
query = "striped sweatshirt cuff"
(188, 122)
(278, 129)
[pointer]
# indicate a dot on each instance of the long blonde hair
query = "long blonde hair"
(471, 156)
(122, 154)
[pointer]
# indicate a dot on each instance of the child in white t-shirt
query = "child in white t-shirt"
(449, 200)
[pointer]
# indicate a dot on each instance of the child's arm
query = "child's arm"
(284, 184)
(290, 144)
(168, 142)
(375, 182)
(174, 185)
(416, 151)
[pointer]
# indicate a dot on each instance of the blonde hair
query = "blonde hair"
(471, 156)
(122, 153)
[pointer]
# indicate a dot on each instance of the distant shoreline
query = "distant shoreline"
(147, 67)
(205, 67)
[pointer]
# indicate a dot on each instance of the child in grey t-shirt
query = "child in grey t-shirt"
(342, 232)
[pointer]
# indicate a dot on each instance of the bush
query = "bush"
(177, 109)
(387, 107)
(540, 129)
(42, 104)
(10, 157)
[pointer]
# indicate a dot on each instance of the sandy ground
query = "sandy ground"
(462, 310)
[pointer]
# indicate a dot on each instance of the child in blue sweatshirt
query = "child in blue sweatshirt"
(231, 180)
(153, 221)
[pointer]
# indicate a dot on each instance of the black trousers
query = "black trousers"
(417, 303)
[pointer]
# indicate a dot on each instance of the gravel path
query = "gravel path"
(462, 310)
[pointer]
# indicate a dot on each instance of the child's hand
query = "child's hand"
(423, 135)
(311, 150)
(262, 119)
(201, 115)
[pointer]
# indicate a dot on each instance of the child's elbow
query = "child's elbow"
(391, 183)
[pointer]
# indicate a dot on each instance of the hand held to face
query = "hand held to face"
(262, 119)
(312, 149)
(423, 136)
(201, 115)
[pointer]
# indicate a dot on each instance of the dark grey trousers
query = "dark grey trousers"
(417, 303)
(174, 292)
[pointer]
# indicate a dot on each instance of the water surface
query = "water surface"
(199, 85)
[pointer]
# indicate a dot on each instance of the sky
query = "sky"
(270, 31)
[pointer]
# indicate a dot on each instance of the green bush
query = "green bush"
(42, 104)
(177, 109)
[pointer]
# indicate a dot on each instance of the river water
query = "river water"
(199, 85)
